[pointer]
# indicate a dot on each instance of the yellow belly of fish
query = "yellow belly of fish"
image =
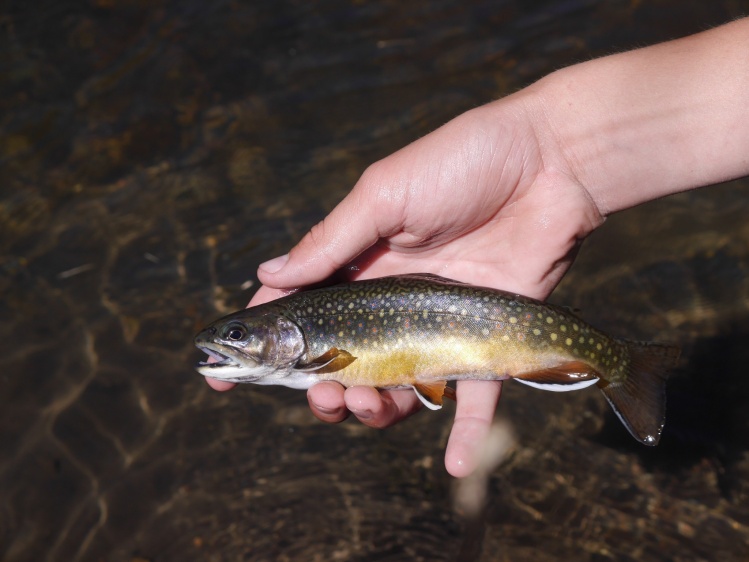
(400, 365)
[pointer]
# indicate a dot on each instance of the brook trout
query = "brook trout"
(422, 330)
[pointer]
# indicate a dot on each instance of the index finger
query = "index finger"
(476, 404)
(354, 225)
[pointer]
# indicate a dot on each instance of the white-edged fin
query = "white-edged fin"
(573, 375)
(559, 387)
(639, 400)
(426, 402)
(430, 394)
(329, 362)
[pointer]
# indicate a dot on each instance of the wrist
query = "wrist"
(643, 124)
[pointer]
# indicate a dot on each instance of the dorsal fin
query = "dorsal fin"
(329, 362)
(431, 277)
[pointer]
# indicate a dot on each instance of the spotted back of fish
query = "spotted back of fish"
(433, 327)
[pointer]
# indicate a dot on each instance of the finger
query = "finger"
(352, 227)
(265, 294)
(216, 384)
(476, 403)
(326, 402)
(380, 409)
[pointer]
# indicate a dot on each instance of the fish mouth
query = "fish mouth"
(223, 367)
(219, 359)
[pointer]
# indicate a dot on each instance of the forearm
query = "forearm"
(639, 125)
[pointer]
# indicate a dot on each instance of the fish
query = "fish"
(421, 330)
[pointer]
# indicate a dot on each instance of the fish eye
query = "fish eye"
(236, 333)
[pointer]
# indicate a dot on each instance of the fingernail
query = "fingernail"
(328, 411)
(363, 414)
(275, 265)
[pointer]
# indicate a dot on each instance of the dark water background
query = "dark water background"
(153, 153)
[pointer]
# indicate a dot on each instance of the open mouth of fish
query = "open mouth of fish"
(216, 359)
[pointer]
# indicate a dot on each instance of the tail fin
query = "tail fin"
(640, 399)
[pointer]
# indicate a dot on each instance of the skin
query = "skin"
(502, 195)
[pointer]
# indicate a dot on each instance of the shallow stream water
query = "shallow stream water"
(152, 154)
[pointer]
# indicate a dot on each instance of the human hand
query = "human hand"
(486, 199)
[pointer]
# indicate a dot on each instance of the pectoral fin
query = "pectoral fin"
(431, 393)
(329, 362)
(562, 378)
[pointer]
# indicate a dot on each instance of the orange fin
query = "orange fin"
(450, 393)
(431, 393)
(562, 378)
(640, 400)
(329, 362)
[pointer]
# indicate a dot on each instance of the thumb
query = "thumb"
(346, 232)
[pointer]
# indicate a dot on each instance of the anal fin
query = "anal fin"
(573, 375)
